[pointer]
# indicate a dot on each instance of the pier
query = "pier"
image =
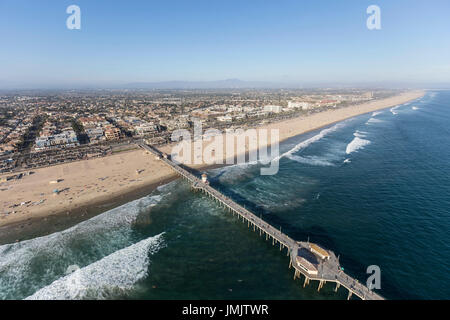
(307, 259)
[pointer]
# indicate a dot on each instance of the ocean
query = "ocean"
(375, 189)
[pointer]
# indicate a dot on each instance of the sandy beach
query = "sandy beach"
(68, 189)
(286, 129)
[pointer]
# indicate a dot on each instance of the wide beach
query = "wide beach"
(37, 203)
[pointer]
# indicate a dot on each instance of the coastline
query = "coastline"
(59, 214)
(299, 125)
(54, 222)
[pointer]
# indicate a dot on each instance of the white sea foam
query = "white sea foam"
(114, 274)
(103, 234)
(360, 134)
(243, 165)
(376, 113)
(311, 140)
(373, 120)
(393, 110)
(311, 160)
(356, 144)
(415, 108)
(347, 160)
(234, 171)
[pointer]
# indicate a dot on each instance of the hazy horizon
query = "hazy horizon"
(223, 84)
(282, 44)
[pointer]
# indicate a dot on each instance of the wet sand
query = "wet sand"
(39, 226)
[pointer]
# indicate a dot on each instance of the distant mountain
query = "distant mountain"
(219, 84)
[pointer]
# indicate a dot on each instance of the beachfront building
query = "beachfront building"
(95, 134)
(233, 109)
(144, 128)
(226, 118)
(240, 116)
(98, 129)
(299, 105)
(181, 122)
(6, 149)
(67, 138)
(112, 133)
(93, 122)
(327, 102)
(273, 108)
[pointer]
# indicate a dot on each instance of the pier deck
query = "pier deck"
(328, 270)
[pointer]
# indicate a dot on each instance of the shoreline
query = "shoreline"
(41, 226)
(47, 222)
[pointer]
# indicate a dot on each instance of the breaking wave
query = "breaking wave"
(311, 140)
(376, 113)
(393, 110)
(237, 171)
(311, 160)
(373, 120)
(30, 265)
(111, 276)
(360, 134)
(356, 144)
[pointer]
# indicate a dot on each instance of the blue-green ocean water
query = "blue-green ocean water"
(375, 189)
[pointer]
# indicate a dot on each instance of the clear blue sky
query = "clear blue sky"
(284, 41)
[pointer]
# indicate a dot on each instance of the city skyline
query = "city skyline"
(293, 44)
